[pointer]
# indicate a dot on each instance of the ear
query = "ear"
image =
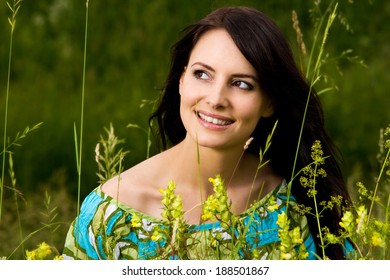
(268, 110)
(181, 79)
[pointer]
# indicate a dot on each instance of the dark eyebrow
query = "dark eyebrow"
(203, 65)
(247, 76)
(238, 75)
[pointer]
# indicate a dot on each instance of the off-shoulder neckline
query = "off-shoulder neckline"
(262, 202)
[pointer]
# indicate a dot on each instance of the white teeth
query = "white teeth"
(213, 120)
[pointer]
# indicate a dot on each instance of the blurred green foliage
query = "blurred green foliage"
(127, 60)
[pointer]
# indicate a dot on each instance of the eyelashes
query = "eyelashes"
(200, 75)
(239, 83)
(243, 85)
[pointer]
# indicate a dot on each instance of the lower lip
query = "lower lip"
(212, 125)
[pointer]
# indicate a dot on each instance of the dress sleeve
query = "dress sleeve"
(102, 230)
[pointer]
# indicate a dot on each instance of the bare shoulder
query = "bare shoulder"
(138, 187)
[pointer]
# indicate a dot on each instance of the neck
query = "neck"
(198, 164)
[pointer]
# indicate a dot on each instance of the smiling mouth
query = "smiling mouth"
(214, 121)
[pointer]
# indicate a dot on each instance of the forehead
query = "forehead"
(216, 47)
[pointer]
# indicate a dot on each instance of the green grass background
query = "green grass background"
(127, 60)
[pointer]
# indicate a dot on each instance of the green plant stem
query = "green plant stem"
(12, 21)
(79, 159)
(387, 209)
(30, 235)
(262, 162)
(377, 185)
(150, 133)
(79, 148)
(5, 125)
(200, 184)
(313, 81)
(318, 214)
(316, 36)
(13, 183)
(119, 178)
(198, 164)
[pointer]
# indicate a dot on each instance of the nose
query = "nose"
(217, 96)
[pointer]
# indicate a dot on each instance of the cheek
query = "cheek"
(186, 99)
(188, 94)
(188, 102)
(250, 110)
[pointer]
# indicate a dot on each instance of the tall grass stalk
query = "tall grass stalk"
(262, 163)
(13, 183)
(12, 21)
(315, 78)
(385, 249)
(31, 235)
(147, 131)
(316, 75)
(110, 160)
(377, 185)
(206, 249)
(79, 142)
(317, 214)
(316, 39)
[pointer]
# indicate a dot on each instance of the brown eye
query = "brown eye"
(201, 75)
(242, 85)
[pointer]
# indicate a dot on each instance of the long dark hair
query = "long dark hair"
(265, 47)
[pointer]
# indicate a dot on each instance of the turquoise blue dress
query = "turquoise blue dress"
(108, 229)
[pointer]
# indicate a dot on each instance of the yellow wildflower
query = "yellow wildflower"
(272, 208)
(177, 207)
(290, 239)
(206, 216)
(157, 235)
(331, 238)
(43, 250)
(40, 253)
(286, 256)
(317, 153)
(173, 207)
(272, 205)
(302, 254)
(210, 207)
(136, 221)
(361, 220)
(31, 255)
(255, 254)
(217, 206)
(282, 220)
(295, 235)
(377, 240)
(347, 221)
(213, 242)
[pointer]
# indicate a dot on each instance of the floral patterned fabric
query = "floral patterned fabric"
(108, 229)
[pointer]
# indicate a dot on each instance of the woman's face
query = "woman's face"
(221, 99)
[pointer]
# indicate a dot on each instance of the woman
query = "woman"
(232, 78)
